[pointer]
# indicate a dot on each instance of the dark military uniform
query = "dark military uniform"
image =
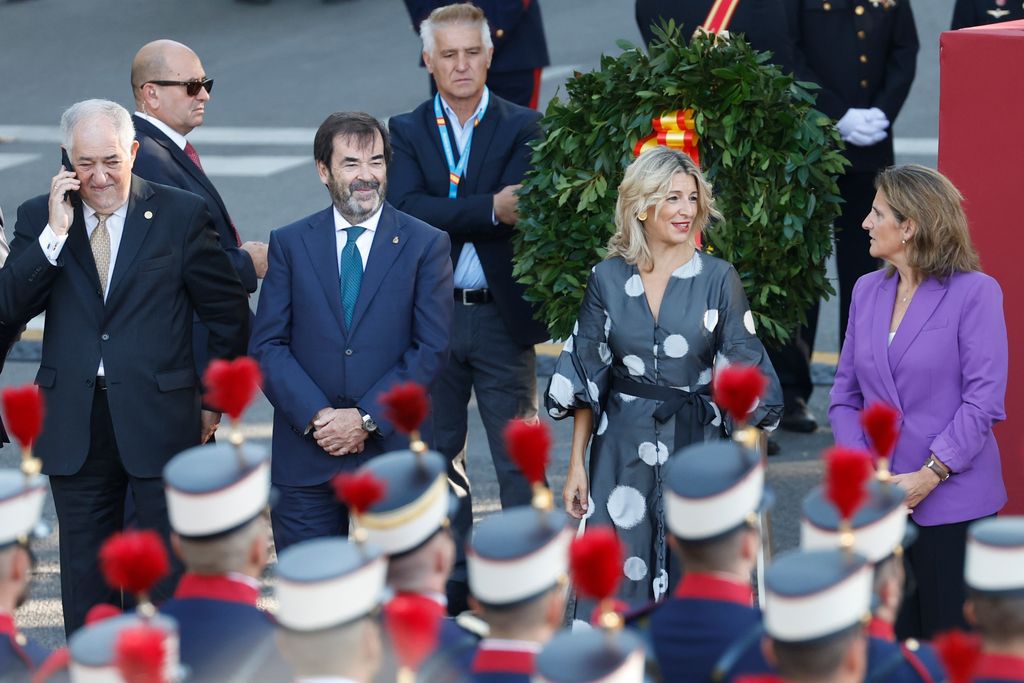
(892, 662)
(863, 54)
(19, 657)
(520, 48)
(979, 12)
(762, 22)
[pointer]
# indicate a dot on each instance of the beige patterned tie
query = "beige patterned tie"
(100, 243)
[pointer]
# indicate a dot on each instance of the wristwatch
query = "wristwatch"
(368, 422)
(935, 467)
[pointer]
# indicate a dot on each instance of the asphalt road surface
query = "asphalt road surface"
(280, 70)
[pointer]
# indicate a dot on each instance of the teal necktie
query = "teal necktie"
(351, 273)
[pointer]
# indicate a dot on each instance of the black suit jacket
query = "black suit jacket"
(7, 338)
(500, 156)
(762, 22)
(169, 266)
(860, 61)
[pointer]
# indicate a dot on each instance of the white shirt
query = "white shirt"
(176, 137)
(363, 242)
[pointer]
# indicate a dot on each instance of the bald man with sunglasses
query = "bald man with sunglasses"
(171, 91)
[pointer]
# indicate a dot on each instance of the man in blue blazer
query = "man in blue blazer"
(357, 298)
(171, 91)
(459, 160)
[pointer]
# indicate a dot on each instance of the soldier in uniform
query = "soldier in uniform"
(329, 592)
(995, 604)
(979, 12)
(216, 498)
(591, 656)
(881, 531)
(21, 502)
(714, 493)
(93, 648)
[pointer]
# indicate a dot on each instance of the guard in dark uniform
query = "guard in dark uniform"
(520, 48)
(592, 656)
(93, 648)
(21, 502)
(329, 592)
(994, 570)
(863, 54)
(714, 492)
(816, 605)
(881, 531)
(762, 22)
(980, 12)
(216, 498)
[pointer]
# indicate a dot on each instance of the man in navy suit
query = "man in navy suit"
(171, 91)
(357, 298)
(459, 161)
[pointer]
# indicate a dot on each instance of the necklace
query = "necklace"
(909, 295)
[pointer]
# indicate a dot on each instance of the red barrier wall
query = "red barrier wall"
(981, 149)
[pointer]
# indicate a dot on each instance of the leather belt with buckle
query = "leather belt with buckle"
(471, 297)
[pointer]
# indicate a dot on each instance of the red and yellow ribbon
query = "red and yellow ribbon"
(673, 129)
(720, 15)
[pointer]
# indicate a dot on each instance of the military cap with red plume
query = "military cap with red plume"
(414, 623)
(406, 406)
(880, 421)
(230, 388)
(595, 562)
(736, 390)
(134, 561)
(140, 654)
(960, 653)
(529, 445)
(360, 492)
(23, 408)
(846, 476)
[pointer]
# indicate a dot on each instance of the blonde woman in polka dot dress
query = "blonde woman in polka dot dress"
(657, 318)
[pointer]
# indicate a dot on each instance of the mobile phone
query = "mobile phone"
(66, 163)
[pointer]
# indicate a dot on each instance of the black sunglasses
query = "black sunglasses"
(191, 87)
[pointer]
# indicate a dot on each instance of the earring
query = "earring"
(642, 215)
(903, 241)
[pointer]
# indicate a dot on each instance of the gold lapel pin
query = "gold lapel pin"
(395, 240)
(148, 214)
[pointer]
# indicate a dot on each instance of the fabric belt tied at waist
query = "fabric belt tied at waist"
(690, 408)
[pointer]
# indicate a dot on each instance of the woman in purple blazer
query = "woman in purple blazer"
(927, 336)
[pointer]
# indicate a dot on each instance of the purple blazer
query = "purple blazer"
(945, 372)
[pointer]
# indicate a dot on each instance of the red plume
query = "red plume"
(134, 561)
(231, 385)
(406, 406)
(846, 476)
(414, 623)
(595, 561)
(879, 423)
(529, 445)
(960, 653)
(140, 654)
(23, 407)
(101, 612)
(359, 491)
(736, 388)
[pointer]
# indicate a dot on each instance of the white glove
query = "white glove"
(863, 127)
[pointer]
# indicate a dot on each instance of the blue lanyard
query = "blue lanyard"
(456, 170)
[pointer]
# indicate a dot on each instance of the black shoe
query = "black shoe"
(797, 417)
(773, 447)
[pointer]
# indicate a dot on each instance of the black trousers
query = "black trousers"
(90, 507)
(933, 599)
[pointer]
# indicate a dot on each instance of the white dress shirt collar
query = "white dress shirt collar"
(340, 222)
(176, 137)
(462, 131)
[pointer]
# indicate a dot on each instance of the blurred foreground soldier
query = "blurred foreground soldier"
(714, 494)
(112, 650)
(520, 49)
(881, 532)
(995, 603)
(817, 604)
(980, 12)
(591, 656)
(216, 498)
(21, 502)
(329, 592)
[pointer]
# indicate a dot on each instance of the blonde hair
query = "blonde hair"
(645, 185)
(461, 13)
(941, 244)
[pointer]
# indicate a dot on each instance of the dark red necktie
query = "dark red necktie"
(194, 156)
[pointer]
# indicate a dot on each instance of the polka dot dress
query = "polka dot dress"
(704, 322)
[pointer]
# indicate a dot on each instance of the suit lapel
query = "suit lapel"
(136, 227)
(383, 251)
(885, 297)
(921, 308)
(78, 246)
(322, 245)
(483, 135)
